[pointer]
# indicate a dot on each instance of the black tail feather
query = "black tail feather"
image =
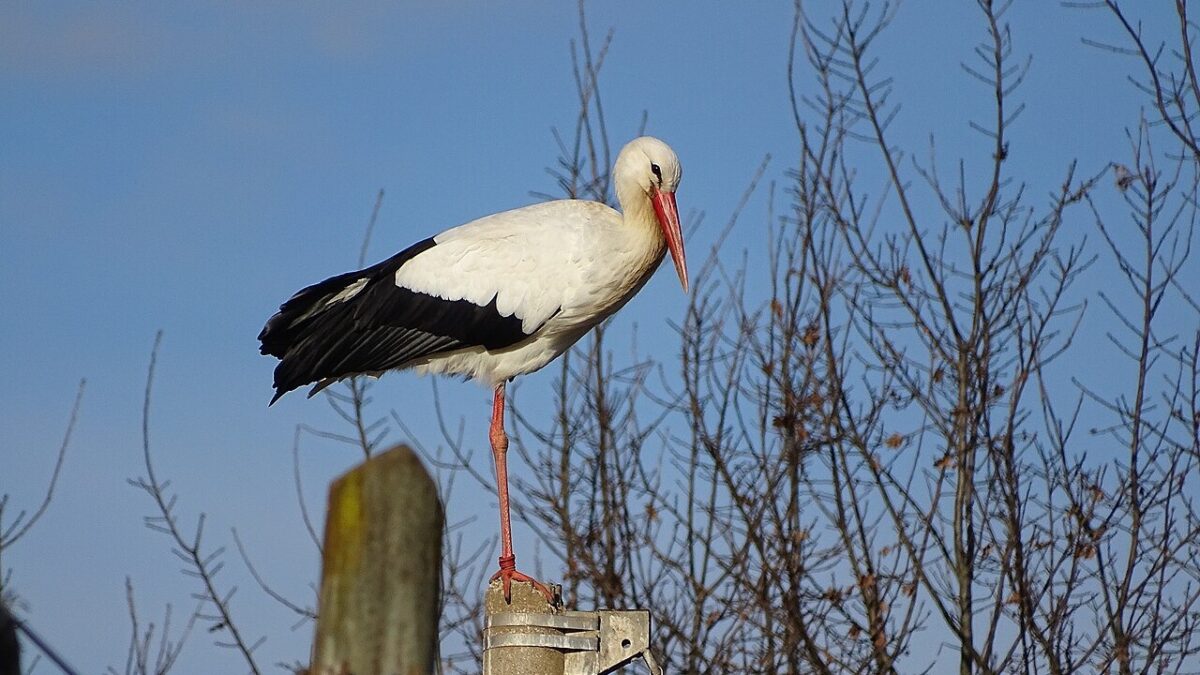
(308, 328)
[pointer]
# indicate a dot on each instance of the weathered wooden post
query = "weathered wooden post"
(381, 570)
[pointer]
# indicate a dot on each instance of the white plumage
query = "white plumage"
(492, 299)
(556, 268)
(560, 280)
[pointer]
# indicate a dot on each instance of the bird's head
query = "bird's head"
(647, 172)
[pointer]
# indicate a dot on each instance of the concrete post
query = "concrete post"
(532, 637)
(520, 660)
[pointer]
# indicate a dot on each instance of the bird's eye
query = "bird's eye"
(657, 172)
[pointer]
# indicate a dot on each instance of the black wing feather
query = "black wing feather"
(284, 328)
(383, 326)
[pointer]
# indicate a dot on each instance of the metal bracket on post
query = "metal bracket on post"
(592, 643)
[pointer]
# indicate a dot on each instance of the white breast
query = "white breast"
(561, 267)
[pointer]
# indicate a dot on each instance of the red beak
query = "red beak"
(668, 219)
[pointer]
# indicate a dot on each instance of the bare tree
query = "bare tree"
(888, 437)
(200, 562)
(152, 650)
(13, 528)
(13, 531)
(885, 449)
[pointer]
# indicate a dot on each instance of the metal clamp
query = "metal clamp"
(593, 643)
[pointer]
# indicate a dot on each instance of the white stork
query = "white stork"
(492, 299)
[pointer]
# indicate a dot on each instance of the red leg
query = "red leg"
(508, 561)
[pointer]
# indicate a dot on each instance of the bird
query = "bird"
(493, 299)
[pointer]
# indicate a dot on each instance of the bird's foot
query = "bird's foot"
(508, 573)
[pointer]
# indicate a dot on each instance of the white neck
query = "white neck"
(642, 228)
(635, 205)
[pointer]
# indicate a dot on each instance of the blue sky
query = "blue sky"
(186, 167)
